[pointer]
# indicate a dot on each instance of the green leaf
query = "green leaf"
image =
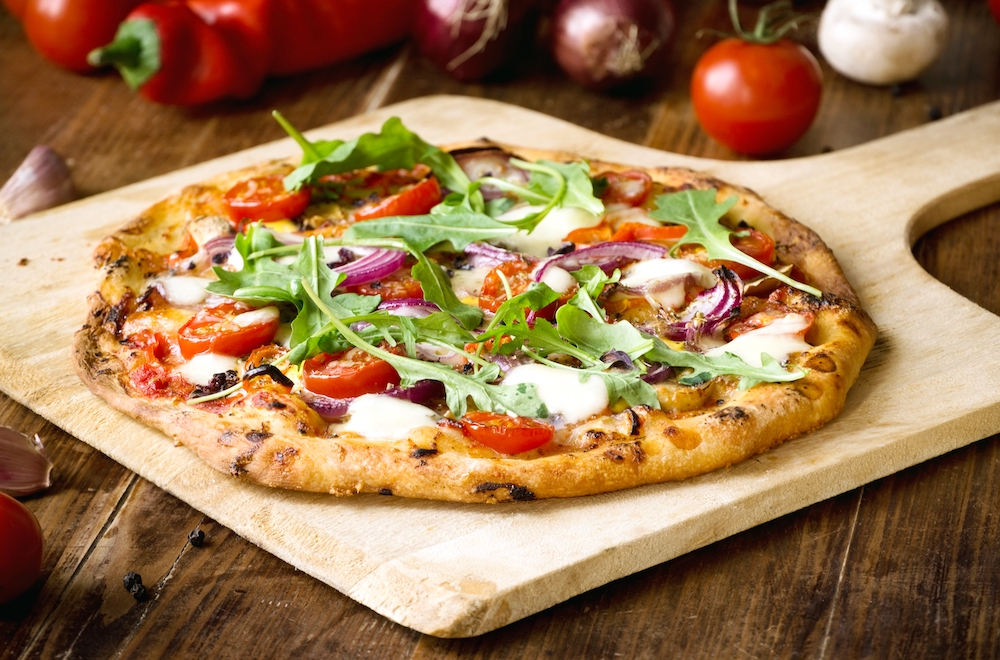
(311, 267)
(263, 280)
(394, 147)
(704, 368)
(597, 337)
(700, 213)
(455, 225)
(437, 289)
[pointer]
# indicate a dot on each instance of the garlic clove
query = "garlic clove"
(41, 182)
(24, 467)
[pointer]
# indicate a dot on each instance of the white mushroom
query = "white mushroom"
(882, 42)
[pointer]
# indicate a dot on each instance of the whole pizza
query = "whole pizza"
(475, 323)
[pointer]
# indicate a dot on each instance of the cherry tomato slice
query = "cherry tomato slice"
(347, 374)
(231, 328)
(753, 243)
(264, 198)
(638, 231)
(590, 235)
(631, 187)
(21, 546)
(417, 199)
(506, 434)
(397, 285)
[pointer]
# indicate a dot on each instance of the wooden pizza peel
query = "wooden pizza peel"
(931, 384)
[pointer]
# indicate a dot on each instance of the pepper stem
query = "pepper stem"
(135, 52)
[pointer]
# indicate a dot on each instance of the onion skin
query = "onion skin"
(478, 46)
(608, 44)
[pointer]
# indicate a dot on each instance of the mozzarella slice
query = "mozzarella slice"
(184, 291)
(663, 281)
(779, 339)
(200, 369)
(562, 391)
(550, 231)
(377, 416)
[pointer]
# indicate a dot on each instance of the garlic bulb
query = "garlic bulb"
(41, 182)
(24, 467)
(882, 42)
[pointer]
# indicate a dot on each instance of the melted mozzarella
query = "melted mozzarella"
(663, 280)
(779, 339)
(377, 416)
(184, 291)
(200, 369)
(254, 316)
(468, 283)
(558, 279)
(562, 392)
(550, 231)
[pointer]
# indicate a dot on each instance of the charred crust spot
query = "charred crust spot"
(257, 437)
(385, 491)
(517, 493)
(682, 439)
(420, 452)
(116, 315)
(596, 436)
(277, 405)
(733, 413)
(631, 451)
(120, 262)
(227, 438)
(821, 362)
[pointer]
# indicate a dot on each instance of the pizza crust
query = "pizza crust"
(281, 442)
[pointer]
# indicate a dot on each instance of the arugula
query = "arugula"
(704, 368)
(394, 147)
(455, 224)
(551, 185)
(700, 213)
(521, 399)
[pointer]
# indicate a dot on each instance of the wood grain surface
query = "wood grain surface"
(900, 568)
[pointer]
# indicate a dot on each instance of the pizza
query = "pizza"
(476, 323)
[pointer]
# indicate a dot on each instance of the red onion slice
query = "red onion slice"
(331, 409)
(709, 309)
(371, 267)
(606, 255)
(415, 307)
(491, 162)
(484, 254)
(217, 249)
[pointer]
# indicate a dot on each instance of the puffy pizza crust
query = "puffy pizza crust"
(273, 438)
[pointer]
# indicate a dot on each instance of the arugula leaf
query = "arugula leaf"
(447, 223)
(520, 400)
(262, 280)
(592, 281)
(394, 147)
(437, 288)
(551, 184)
(705, 368)
(700, 213)
(597, 337)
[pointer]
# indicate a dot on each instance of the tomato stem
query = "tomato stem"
(774, 21)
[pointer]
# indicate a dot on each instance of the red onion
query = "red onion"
(415, 307)
(371, 267)
(484, 254)
(217, 249)
(604, 44)
(492, 162)
(606, 255)
(332, 409)
(470, 39)
(709, 309)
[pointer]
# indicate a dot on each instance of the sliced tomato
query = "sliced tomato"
(506, 434)
(638, 231)
(631, 187)
(753, 243)
(493, 293)
(416, 199)
(400, 284)
(224, 329)
(188, 249)
(264, 198)
(347, 374)
(590, 235)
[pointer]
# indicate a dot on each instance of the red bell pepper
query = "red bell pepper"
(197, 51)
(64, 31)
(171, 55)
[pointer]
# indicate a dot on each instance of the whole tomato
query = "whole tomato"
(20, 548)
(65, 31)
(757, 93)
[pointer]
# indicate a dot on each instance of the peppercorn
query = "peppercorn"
(138, 592)
(196, 538)
(131, 579)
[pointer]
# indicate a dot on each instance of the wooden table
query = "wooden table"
(903, 567)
